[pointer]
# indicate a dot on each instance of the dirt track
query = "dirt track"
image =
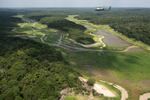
(106, 92)
(145, 96)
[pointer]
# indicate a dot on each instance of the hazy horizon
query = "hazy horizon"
(72, 3)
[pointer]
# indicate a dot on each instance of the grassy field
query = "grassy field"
(130, 70)
(124, 65)
(33, 28)
(33, 25)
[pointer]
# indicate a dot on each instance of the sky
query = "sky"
(74, 3)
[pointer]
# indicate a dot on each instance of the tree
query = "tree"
(91, 81)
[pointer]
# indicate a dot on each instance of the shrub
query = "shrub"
(91, 81)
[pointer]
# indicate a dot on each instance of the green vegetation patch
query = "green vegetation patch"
(91, 81)
(35, 29)
(52, 37)
(85, 40)
(33, 25)
(70, 98)
(19, 16)
(124, 66)
(33, 32)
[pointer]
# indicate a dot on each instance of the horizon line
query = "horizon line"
(81, 7)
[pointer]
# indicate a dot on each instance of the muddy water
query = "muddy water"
(112, 40)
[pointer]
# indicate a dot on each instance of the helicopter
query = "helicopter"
(103, 8)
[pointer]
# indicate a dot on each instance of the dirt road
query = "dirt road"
(145, 96)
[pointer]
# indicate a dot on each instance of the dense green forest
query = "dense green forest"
(134, 23)
(7, 21)
(31, 70)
